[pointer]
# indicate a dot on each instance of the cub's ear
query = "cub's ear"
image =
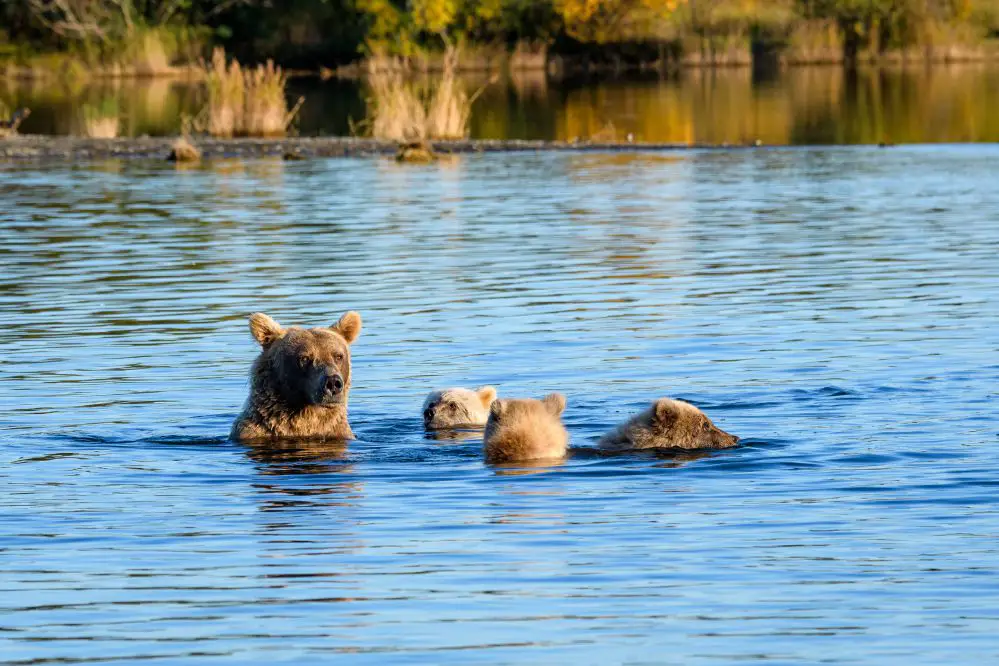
(554, 403)
(349, 326)
(497, 408)
(264, 329)
(665, 410)
(487, 394)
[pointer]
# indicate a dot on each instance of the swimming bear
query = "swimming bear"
(520, 430)
(300, 381)
(457, 407)
(668, 424)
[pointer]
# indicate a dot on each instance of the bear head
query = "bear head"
(683, 425)
(456, 407)
(304, 367)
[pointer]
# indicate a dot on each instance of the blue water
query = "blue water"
(836, 308)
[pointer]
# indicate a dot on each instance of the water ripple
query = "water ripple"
(831, 306)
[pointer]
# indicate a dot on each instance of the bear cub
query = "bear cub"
(299, 382)
(457, 407)
(668, 424)
(521, 430)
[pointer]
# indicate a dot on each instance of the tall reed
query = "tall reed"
(450, 106)
(246, 102)
(401, 110)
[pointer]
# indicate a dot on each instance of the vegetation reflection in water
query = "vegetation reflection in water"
(799, 105)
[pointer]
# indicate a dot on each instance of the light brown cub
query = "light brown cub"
(456, 407)
(520, 430)
(668, 424)
(300, 381)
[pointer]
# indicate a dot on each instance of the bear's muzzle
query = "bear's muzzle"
(332, 389)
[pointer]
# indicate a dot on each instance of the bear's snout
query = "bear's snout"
(428, 414)
(726, 439)
(334, 385)
(332, 388)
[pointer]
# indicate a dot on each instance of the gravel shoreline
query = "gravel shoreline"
(73, 149)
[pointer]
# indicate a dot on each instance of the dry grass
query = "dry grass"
(397, 112)
(100, 123)
(402, 111)
(246, 102)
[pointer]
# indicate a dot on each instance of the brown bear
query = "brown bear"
(521, 430)
(300, 381)
(457, 407)
(668, 424)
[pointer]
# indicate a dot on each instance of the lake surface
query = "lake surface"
(797, 106)
(835, 307)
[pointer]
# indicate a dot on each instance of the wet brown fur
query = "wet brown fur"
(668, 424)
(282, 401)
(520, 430)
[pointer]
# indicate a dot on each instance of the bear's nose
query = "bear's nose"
(334, 384)
(428, 414)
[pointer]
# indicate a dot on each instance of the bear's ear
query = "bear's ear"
(554, 403)
(666, 411)
(497, 408)
(349, 326)
(487, 394)
(264, 329)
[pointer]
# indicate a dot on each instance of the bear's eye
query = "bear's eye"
(452, 407)
(304, 362)
(705, 426)
(338, 357)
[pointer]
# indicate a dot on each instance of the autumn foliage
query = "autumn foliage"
(152, 36)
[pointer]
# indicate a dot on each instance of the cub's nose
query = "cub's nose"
(334, 384)
(428, 414)
(735, 439)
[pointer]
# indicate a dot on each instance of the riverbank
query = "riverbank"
(80, 149)
(817, 46)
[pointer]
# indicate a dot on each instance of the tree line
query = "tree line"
(308, 33)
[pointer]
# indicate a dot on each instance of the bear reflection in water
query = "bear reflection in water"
(283, 466)
(299, 456)
(453, 435)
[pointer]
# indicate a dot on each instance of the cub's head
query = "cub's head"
(509, 412)
(456, 407)
(684, 425)
(305, 366)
